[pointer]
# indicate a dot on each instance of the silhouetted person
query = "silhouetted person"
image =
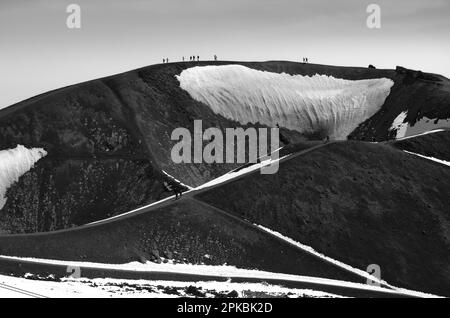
(198, 58)
(183, 58)
(178, 190)
(327, 139)
(174, 187)
(164, 61)
(167, 60)
(215, 57)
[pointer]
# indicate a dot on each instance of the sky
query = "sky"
(38, 52)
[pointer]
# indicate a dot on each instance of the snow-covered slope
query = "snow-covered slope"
(32, 287)
(13, 164)
(314, 105)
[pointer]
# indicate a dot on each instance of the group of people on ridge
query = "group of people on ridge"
(192, 58)
(172, 186)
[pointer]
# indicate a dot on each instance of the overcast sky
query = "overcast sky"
(39, 53)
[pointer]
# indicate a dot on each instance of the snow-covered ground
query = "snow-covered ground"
(178, 181)
(106, 287)
(422, 127)
(222, 271)
(13, 164)
(447, 163)
(316, 104)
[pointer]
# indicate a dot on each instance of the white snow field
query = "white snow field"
(13, 164)
(318, 104)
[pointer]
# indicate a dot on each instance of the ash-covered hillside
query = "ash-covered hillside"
(360, 203)
(108, 140)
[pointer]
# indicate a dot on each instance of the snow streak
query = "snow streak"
(13, 164)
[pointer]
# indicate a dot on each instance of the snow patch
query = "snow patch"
(399, 125)
(178, 181)
(318, 104)
(13, 164)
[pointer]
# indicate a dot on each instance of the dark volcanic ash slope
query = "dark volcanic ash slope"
(359, 203)
(97, 164)
(185, 231)
(108, 140)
